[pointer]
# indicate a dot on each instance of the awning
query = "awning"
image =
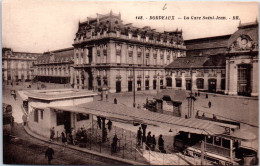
(243, 135)
(22, 95)
(110, 116)
(122, 113)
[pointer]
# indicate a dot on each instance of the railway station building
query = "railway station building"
(223, 64)
(108, 53)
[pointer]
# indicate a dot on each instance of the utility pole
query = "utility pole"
(134, 85)
(191, 100)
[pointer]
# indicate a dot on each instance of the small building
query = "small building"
(41, 117)
(171, 101)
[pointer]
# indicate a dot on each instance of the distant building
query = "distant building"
(55, 66)
(223, 64)
(106, 52)
(17, 66)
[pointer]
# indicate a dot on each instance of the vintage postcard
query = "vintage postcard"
(130, 83)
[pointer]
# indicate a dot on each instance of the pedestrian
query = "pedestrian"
(209, 104)
(203, 115)
(147, 100)
(139, 136)
(149, 140)
(99, 121)
(101, 95)
(115, 101)
(52, 133)
(195, 94)
(24, 119)
(63, 139)
(49, 153)
(69, 136)
(114, 144)
(161, 144)
(74, 138)
(109, 125)
(138, 106)
(207, 96)
(198, 93)
(214, 117)
(14, 96)
(197, 114)
(153, 143)
(106, 95)
(104, 138)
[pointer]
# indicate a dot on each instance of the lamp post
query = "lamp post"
(158, 75)
(134, 86)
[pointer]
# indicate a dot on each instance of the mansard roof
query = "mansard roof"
(198, 62)
(61, 55)
(112, 22)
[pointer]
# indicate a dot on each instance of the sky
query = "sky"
(44, 25)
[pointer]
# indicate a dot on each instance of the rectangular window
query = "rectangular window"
(98, 52)
(209, 139)
(41, 114)
(217, 141)
(118, 56)
(81, 117)
(178, 82)
(59, 118)
(130, 53)
(200, 83)
(105, 52)
(226, 143)
(139, 54)
(36, 119)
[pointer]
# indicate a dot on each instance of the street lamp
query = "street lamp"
(134, 86)
(158, 82)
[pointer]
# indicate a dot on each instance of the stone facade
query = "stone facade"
(17, 66)
(225, 64)
(110, 54)
(55, 66)
(242, 61)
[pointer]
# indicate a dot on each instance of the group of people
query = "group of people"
(150, 140)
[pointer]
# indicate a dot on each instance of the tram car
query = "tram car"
(8, 119)
(224, 149)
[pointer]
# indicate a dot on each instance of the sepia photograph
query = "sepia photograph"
(130, 82)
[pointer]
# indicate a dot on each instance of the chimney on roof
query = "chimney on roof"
(88, 20)
(119, 15)
(111, 12)
(239, 22)
(97, 18)
(256, 20)
(176, 29)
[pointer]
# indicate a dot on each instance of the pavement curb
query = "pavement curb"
(126, 161)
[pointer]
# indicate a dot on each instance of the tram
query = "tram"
(224, 149)
(8, 119)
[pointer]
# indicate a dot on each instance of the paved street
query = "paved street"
(235, 108)
(29, 150)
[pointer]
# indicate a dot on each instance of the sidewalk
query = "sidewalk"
(84, 150)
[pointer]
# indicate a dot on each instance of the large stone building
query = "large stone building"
(106, 52)
(55, 66)
(242, 61)
(223, 64)
(17, 66)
